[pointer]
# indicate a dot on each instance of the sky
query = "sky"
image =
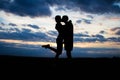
(25, 25)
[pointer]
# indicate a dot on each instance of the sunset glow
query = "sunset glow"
(77, 44)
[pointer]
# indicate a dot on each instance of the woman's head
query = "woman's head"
(58, 18)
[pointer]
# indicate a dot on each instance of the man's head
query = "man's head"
(58, 18)
(65, 18)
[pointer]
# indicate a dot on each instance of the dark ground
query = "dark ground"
(13, 64)
(62, 62)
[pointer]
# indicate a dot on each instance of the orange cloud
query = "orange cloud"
(115, 18)
(26, 42)
(97, 44)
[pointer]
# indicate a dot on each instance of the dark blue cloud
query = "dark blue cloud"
(92, 6)
(25, 34)
(1, 23)
(1, 28)
(98, 6)
(87, 21)
(35, 8)
(90, 16)
(17, 30)
(81, 35)
(87, 38)
(98, 36)
(31, 8)
(94, 38)
(78, 21)
(33, 26)
(60, 8)
(102, 32)
(24, 30)
(12, 24)
(116, 30)
(114, 39)
(53, 33)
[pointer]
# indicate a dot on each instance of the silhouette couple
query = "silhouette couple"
(65, 36)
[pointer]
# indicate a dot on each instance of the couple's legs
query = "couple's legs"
(49, 47)
(59, 42)
(58, 51)
(69, 54)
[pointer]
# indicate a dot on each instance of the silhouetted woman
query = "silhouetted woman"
(59, 39)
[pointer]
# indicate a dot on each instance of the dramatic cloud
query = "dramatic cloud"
(115, 30)
(1, 28)
(87, 21)
(12, 24)
(102, 32)
(97, 6)
(35, 8)
(117, 3)
(53, 33)
(87, 38)
(26, 7)
(118, 32)
(78, 21)
(33, 26)
(81, 35)
(1, 23)
(24, 30)
(114, 39)
(92, 6)
(94, 38)
(98, 36)
(90, 16)
(25, 34)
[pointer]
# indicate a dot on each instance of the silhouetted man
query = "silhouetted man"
(68, 35)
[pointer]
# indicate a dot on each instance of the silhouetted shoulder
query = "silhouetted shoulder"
(70, 23)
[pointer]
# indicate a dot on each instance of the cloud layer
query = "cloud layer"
(27, 34)
(82, 37)
(26, 7)
(17, 49)
(116, 30)
(35, 8)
